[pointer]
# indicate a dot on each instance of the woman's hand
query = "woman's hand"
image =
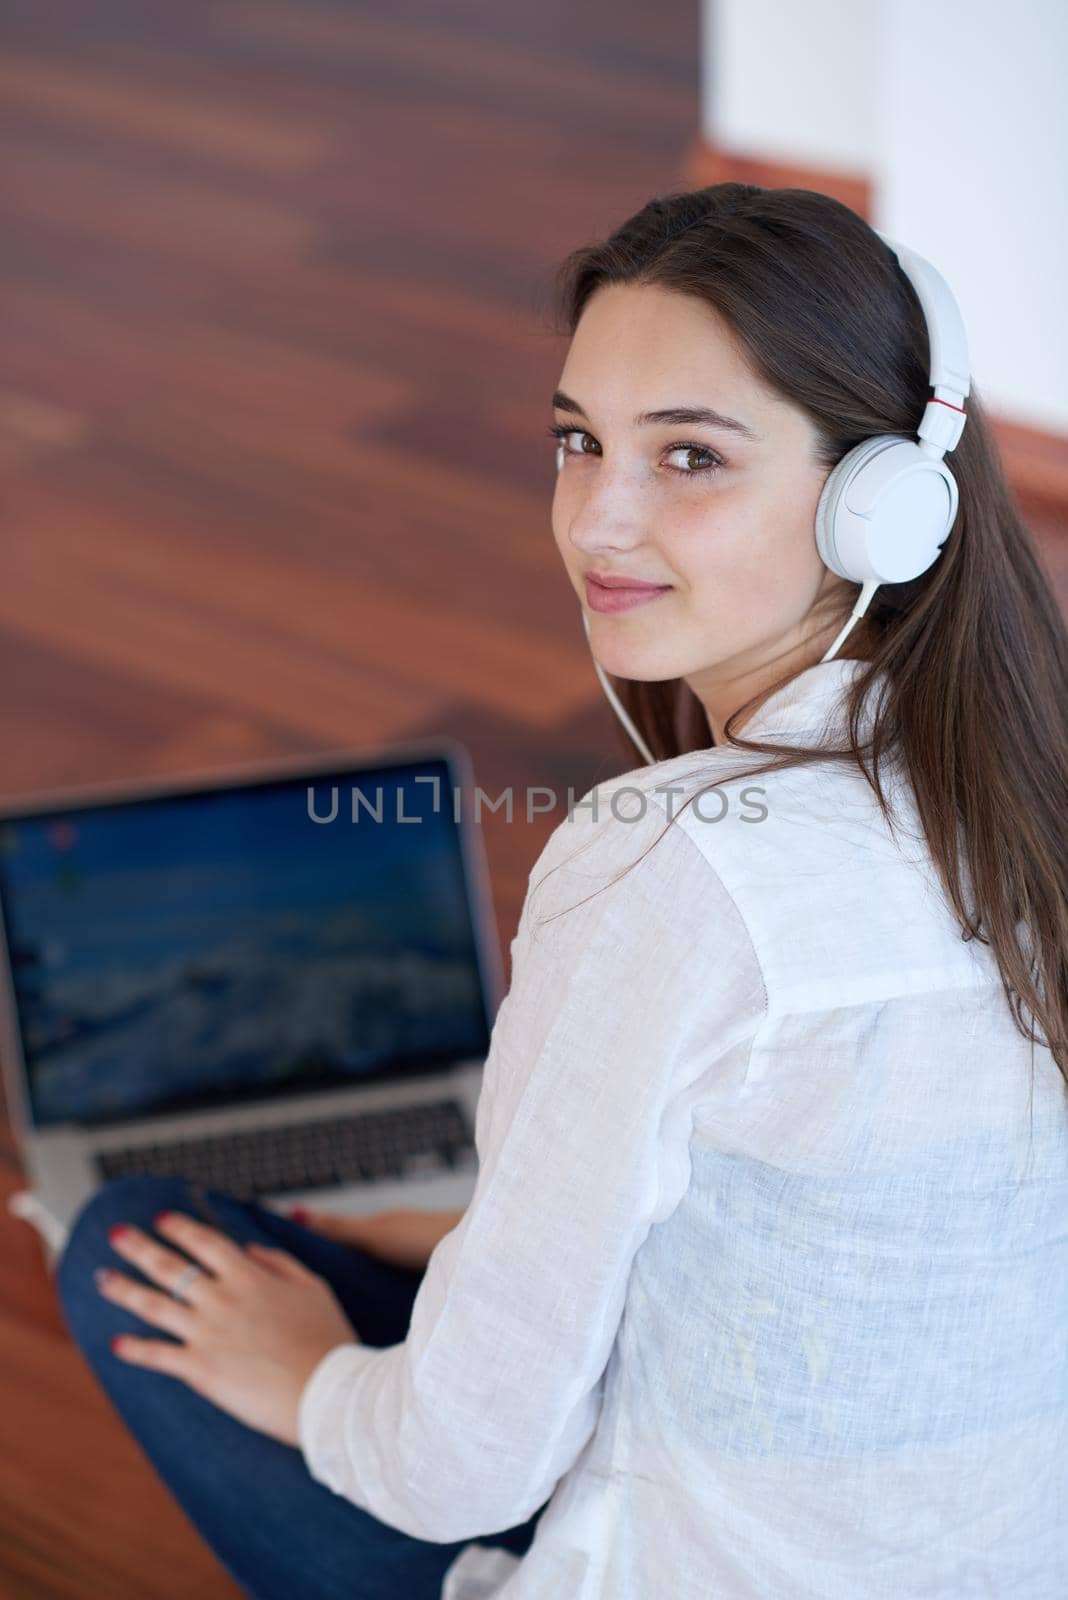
(253, 1326)
(404, 1237)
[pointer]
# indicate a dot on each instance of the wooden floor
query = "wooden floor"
(274, 380)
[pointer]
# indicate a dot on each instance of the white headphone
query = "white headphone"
(888, 506)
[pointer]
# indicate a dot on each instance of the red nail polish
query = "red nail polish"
(161, 1216)
(118, 1230)
(116, 1341)
(299, 1214)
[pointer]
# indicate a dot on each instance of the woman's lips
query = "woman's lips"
(598, 598)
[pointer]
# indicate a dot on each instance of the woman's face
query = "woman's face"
(720, 513)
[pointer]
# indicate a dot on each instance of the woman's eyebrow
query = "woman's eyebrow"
(674, 416)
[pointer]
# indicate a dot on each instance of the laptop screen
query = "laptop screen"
(178, 953)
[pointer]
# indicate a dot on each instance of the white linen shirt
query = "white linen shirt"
(765, 1276)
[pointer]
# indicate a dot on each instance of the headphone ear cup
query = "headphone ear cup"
(884, 512)
(826, 542)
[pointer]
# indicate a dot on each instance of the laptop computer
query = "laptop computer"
(279, 982)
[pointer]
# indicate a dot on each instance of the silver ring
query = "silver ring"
(184, 1279)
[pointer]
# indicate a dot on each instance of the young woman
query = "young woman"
(763, 1288)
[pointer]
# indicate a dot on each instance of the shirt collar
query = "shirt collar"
(813, 702)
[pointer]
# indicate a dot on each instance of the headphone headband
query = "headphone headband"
(943, 419)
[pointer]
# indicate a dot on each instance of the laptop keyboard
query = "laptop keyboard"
(366, 1146)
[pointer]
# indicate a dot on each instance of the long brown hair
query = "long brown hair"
(975, 706)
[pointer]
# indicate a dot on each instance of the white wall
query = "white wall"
(781, 77)
(958, 112)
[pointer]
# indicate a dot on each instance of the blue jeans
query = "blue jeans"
(278, 1532)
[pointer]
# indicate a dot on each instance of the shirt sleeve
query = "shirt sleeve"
(621, 1012)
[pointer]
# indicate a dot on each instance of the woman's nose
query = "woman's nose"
(599, 528)
(606, 514)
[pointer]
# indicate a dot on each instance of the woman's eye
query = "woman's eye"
(563, 434)
(711, 459)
